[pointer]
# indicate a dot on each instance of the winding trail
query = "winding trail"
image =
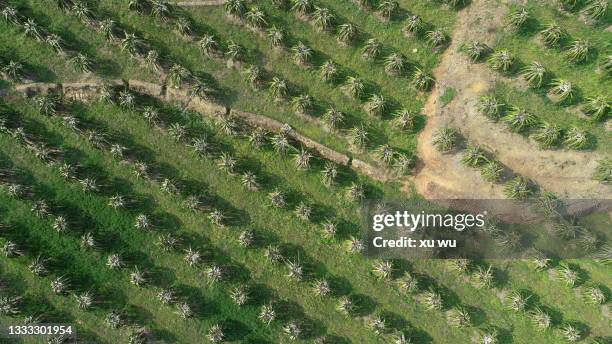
(442, 176)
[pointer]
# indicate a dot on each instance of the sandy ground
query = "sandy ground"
(442, 176)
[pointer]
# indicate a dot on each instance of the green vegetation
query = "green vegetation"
(448, 96)
(604, 171)
(586, 130)
(445, 139)
(137, 219)
(571, 52)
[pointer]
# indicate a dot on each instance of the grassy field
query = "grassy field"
(587, 78)
(295, 235)
(238, 93)
(323, 257)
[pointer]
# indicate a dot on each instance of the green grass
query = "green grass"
(586, 77)
(448, 96)
(188, 55)
(324, 257)
(235, 92)
(395, 90)
(116, 233)
(525, 99)
(167, 151)
(264, 220)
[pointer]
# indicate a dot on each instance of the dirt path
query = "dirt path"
(567, 173)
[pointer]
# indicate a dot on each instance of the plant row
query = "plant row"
(519, 120)
(296, 269)
(560, 91)
(304, 105)
(93, 240)
(203, 86)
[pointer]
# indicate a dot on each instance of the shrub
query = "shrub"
(301, 54)
(359, 137)
(387, 8)
(376, 106)
(276, 36)
(548, 135)
(596, 9)
(421, 81)
(576, 138)
(551, 35)
(563, 89)
(404, 120)
(395, 64)
(256, 17)
(501, 61)
(603, 171)
(597, 107)
(328, 71)
(355, 87)
(459, 317)
(334, 118)
(492, 171)
(578, 51)
(347, 33)
(322, 18)
(385, 153)
(518, 188)
(518, 119)
(445, 139)
(534, 74)
(414, 25)
(474, 156)
(235, 7)
(371, 49)
(302, 7)
(436, 38)
(517, 19)
(567, 275)
(476, 50)
(490, 106)
(540, 318)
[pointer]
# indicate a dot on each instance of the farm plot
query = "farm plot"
(183, 226)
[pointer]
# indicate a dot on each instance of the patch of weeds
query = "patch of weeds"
(448, 96)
